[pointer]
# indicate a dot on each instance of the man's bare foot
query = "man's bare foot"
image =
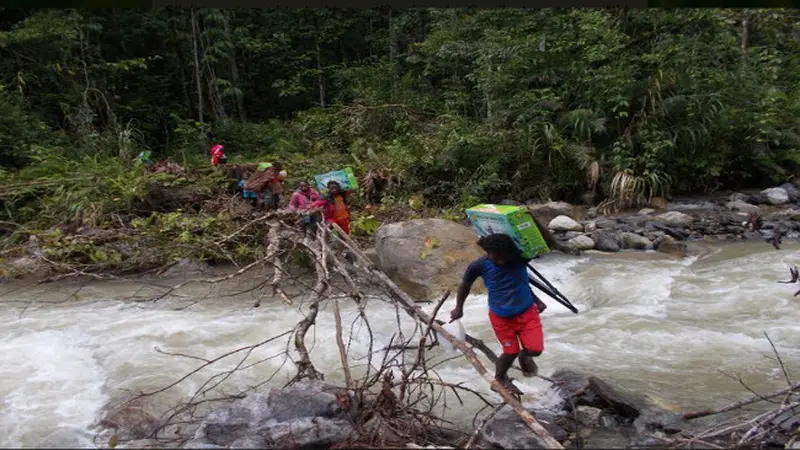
(509, 386)
(529, 367)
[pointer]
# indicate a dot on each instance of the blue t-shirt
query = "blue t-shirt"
(509, 293)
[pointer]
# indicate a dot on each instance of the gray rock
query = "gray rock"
(571, 234)
(308, 432)
(606, 241)
(249, 442)
(675, 219)
(647, 413)
(564, 223)
(739, 197)
(545, 212)
(426, 274)
(507, 430)
(646, 211)
(776, 196)
(582, 242)
(636, 242)
(378, 430)
(757, 199)
(308, 407)
(666, 244)
(792, 191)
(739, 205)
(590, 226)
(200, 443)
(588, 415)
(606, 223)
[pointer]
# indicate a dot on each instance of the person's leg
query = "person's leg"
(529, 330)
(344, 224)
(508, 339)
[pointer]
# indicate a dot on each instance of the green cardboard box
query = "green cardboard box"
(345, 177)
(515, 221)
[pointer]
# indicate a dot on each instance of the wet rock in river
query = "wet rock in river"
(606, 241)
(636, 242)
(309, 413)
(675, 219)
(507, 430)
(641, 413)
(666, 244)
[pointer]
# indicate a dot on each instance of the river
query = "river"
(653, 324)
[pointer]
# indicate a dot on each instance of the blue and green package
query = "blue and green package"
(514, 221)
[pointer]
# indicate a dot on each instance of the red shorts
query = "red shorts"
(525, 328)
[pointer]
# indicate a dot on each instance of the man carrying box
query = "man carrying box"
(513, 307)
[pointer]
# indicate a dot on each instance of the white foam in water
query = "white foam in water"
(659, 326)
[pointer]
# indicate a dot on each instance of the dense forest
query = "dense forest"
(451, 106)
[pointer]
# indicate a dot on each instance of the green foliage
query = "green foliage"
(454, 106)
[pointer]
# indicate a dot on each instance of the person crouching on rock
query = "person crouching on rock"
(301, 201)
(513, 307)
(335, 206)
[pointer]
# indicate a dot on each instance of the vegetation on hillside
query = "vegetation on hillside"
(450, 106)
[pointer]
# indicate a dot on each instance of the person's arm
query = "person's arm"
(473, 272)
(293, 200)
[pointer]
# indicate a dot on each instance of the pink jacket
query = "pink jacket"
(300, 201)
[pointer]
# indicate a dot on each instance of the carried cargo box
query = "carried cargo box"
(514, 221)
(345, 177)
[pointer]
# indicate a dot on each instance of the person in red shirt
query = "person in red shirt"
(218, 155)
(334, 206)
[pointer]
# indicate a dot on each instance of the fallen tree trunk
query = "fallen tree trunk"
(542, 436)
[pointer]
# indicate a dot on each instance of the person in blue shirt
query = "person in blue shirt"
(513, 307)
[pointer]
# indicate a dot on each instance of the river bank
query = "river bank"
(235, 236)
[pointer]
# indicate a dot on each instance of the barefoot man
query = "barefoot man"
(513, 308)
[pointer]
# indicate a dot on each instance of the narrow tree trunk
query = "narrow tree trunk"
(235, 75)
(320, 78)
(214, 97)
(745, 29)
(197, 70)
(392, 52)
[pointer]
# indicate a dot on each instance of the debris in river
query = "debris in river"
(793, 272)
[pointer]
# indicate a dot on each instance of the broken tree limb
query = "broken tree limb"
(543, 437)
(340, 343)
(739, 404)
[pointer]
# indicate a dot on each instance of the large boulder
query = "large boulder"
(776, 196)
(675, 219)
(642, 413)
(564, 223)
(428, 271)
(307, 414)
(607, 241)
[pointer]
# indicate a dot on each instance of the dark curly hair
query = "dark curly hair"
(500, 244)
